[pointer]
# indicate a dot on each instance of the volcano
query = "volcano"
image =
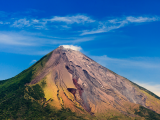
(68, 79)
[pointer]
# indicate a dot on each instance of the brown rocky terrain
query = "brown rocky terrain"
(75, 81)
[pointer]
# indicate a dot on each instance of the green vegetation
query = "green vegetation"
(25, 76)
(16, 106)
(147, 113)
(20, 101)
(43, 83)
(35, 92)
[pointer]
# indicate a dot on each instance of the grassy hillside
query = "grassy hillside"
(19, 101)
(147, 114)
(28, 103)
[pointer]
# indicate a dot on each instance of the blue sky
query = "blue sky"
(121, 35)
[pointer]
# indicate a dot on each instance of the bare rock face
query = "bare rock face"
(76, 81)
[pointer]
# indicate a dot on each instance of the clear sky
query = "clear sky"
(122, 35)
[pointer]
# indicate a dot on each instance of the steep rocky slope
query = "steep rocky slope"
(81, 83)
(69, 79)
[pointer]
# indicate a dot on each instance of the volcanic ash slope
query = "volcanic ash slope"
(77, 82)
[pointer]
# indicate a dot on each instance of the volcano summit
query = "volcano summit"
(67, 79)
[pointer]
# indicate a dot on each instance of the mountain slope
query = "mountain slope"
(20, 101)
(68, 79)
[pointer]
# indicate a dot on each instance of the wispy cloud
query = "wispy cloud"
(72, 40)
(118, 23)
(62, 29)
(71, 19)
(4, 23)
(82, 24)
(36, 39)
(21, 39)
(33, 61)
(42, 23)
(140, 62)
(141, 19)
(21, 23)
(101, 29)
(35, 21)
(15, 39)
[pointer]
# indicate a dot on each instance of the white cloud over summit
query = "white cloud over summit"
(77, 48)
